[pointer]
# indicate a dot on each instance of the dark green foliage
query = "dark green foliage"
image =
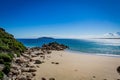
(18, 54)
(9, 44)
(11, 55)
(5, 57)
(6, 69)
(1, 75)
(7, 64)
(1, 61)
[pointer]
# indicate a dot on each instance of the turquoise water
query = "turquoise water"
(103, 47)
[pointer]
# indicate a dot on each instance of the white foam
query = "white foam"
(110, 55)
(113, 42)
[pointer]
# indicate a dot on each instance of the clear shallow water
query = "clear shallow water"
(93, 46)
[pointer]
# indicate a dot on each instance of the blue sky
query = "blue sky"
(59, 18)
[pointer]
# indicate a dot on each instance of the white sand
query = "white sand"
(78, 67)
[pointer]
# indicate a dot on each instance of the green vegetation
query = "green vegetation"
(9, 44)
(6, 69)
(1, 75)
(8, 47)
(5, 57)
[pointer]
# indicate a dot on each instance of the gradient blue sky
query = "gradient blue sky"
(59, 18)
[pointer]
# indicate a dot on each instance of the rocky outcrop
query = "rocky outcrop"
(54, 46)
(25, 66)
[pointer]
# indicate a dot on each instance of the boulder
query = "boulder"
(51, 78)
(14, 72)
(33, 55)
(32, 70)
(118, 69)
(43, 78)
(20, 60)
(29, 76)
(26, 56)
(54, 46)
(22, 77)
(33, 74)
(38, 62)
(25, 70)
(15, 67)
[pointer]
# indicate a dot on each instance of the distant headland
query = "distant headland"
(46, 38)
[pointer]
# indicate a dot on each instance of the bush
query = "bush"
(1, 61)
(1, 75)
(9, 44)
(18, 54)
(11, 55)
(6, 69)
(5, 57)
(7, 64)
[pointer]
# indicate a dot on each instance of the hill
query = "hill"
(45, 38)
(9, 44)
(8, 47)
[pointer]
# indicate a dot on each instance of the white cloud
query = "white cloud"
(112, 35)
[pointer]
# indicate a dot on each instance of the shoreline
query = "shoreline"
(97, 54)
(41, 64)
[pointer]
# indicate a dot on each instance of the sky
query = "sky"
(59, 18)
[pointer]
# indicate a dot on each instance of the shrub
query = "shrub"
(9, 44)
(1, 61)
(6, 69)
(18, 54)
(1, 75)
(5, 57)
(11, 55)
(7, 64)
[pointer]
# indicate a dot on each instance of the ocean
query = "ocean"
(108, 47)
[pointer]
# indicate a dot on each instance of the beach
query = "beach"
(63, 65)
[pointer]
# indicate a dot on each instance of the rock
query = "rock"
(118, 69)
(15, 72)
(14, 66)
(43, 78)
(57, 63)
(29, 76)
(21, 60)
(32, 70)
(31, 66)
(33, 74)
(31, 60)
(15, 55)
(26, 56)
(22, 78)
(28, 70)
(49, 52)
(38, 66)
(38, 62)
(51, 78)
(25, 70)
(53, 62)
(94, 77)
(54, 46)
(33, 55)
